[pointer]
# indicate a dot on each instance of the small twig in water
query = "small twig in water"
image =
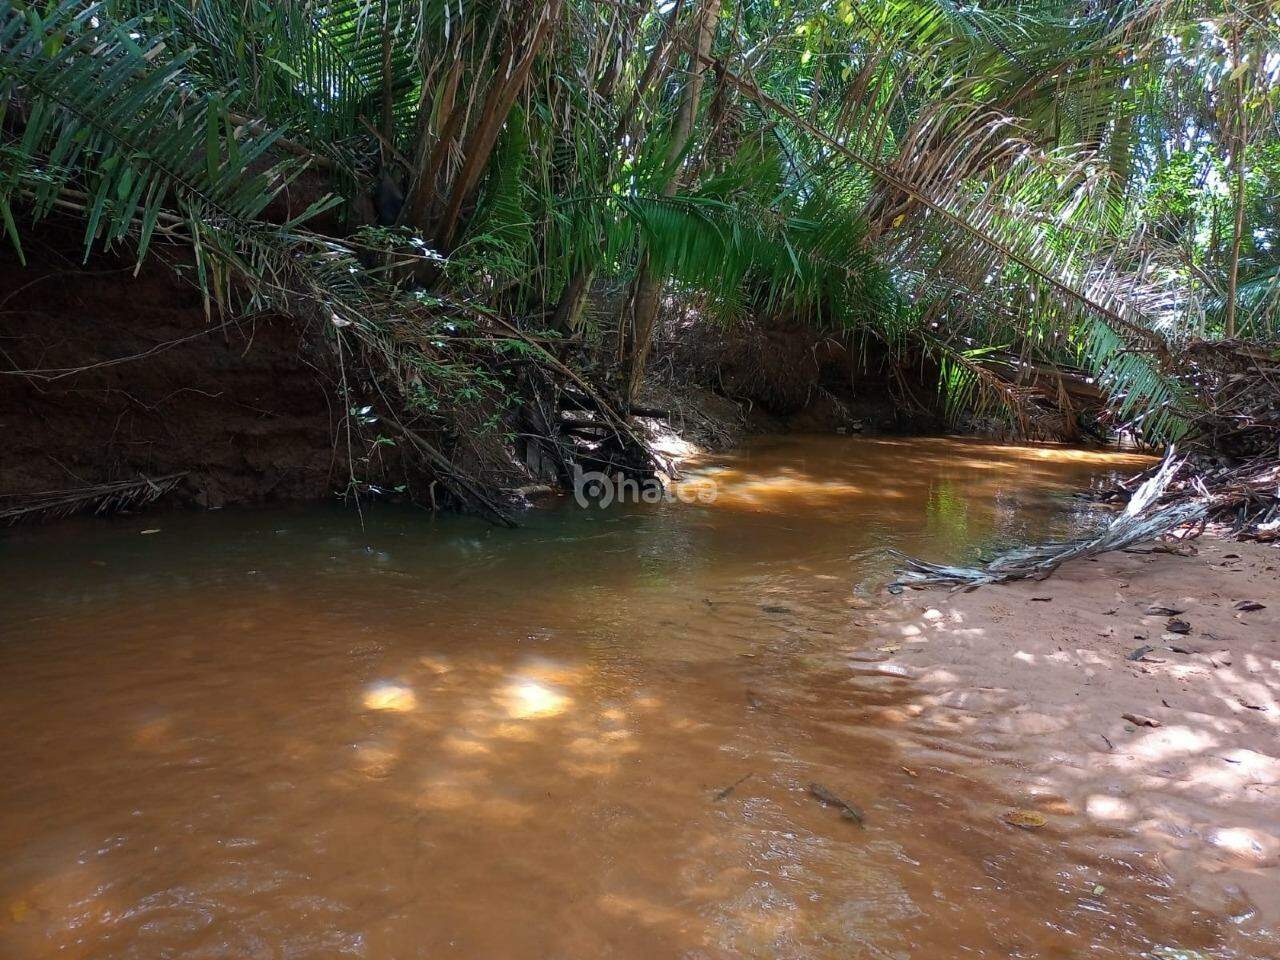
(724, 793)
(847, 810)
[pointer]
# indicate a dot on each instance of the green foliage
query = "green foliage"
(115, 130)
(1172, 194)
(500, 241)
(1052, 176)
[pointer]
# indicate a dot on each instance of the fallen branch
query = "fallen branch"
(1145, 518)
(724, 792)
(463, 487)
(103, 498)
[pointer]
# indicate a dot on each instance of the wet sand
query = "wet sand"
(1038, 677)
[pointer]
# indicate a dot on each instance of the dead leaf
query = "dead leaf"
(1178, 626)
(1139, 720)
(1026, 819)
(1248, 606)
(1156, 610)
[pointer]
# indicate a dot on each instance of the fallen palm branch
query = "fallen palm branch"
(1145, 518)
(102, 498)
(1244, 499)
(1230, 476)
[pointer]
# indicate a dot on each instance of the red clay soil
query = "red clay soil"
(1132, 729)
(791, 377)
(248, 409)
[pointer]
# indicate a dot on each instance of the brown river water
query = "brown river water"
(282, 734)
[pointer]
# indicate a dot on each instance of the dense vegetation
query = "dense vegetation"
(1007, 186)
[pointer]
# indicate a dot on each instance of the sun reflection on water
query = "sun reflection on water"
(390, 696)
(528, 699)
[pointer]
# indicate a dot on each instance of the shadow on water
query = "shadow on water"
(279, 734)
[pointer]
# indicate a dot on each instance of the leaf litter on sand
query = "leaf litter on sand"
(1024, 819)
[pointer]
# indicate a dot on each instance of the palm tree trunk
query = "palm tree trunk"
(515, 68)
(637, 332)
(1238, 172)
(388, 81)
(430, 155)
(568, 313)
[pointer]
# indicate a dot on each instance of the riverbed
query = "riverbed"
(307, 733)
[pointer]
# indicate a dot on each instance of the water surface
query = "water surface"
(284, 734)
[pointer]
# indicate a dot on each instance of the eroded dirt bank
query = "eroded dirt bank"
(111, 374)
(109, 377)
(1138, 695)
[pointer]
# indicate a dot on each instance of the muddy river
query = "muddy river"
(282, 734)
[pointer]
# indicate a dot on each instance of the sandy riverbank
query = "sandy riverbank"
(1039, 677)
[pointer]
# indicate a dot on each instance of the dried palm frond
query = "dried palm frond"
(1145, 518)
(102, 498)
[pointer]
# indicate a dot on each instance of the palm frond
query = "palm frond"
(119, 124)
